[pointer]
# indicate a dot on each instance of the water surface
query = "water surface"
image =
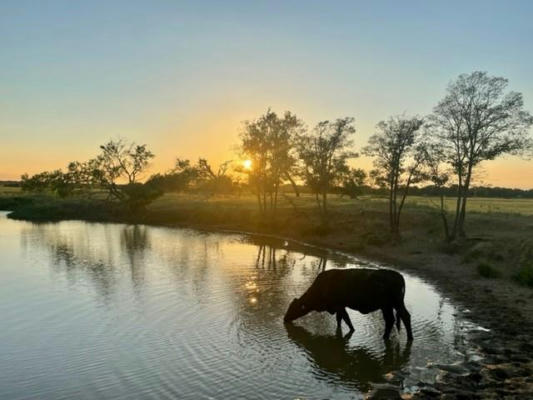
(112, 311)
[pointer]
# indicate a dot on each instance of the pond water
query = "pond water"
(112, 311)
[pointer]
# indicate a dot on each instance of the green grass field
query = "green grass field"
(489, 205)
(305, 201)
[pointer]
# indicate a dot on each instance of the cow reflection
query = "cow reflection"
(332, 358)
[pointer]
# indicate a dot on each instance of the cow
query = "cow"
(362, 289)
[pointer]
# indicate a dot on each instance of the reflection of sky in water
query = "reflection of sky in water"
(127, 311)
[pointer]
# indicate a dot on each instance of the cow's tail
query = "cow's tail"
(398, 320)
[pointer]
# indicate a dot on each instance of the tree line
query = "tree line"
(477, 120)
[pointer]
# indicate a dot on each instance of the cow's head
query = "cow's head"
(296, 309)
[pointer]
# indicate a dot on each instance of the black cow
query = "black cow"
(362, 289)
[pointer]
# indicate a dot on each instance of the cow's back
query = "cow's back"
(363, 289)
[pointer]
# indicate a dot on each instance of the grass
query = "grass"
(9, 190)
(481, 205)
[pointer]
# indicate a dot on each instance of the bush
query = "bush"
(487, 271)
(524, 275)
(139, 195)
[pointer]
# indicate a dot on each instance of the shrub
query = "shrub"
(487, 271)
(524, 275)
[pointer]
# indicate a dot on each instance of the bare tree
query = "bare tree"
(477, 121)
(324, 154)
(397, 161)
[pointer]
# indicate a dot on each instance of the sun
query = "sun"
(247, 164)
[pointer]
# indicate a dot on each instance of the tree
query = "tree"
(478, 121)
(393, 146)
(175, 180)
(269, 142)
(116, 169)
(324, 154)
(433, 162)
(211, 181)
(353, 182)
(121, 161)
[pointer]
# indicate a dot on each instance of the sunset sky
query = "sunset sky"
(182, 76)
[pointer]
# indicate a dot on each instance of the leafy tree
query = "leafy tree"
(324, 153)
(476, 121)
(269, 142)
(214, 182)
(177, 179)
(57, 182)
(120, 160)
(439, 176)
(353, 182)
(116, 169)
(397, 161)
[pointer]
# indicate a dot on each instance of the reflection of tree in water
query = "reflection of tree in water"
(91, 251)
(332, 358)
(190, 259)
(261, 293)
(269, 261)
(72, 257)
(279, 274)
(135, 240)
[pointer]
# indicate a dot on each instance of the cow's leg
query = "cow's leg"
(339, 317)
(406, 319)
(388, 315)
(346, 319)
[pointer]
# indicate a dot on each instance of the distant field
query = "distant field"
(482, 204)
(475, 204)
(9, 190)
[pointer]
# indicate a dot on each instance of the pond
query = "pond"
(113, 311)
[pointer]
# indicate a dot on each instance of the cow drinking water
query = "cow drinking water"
(362, 289)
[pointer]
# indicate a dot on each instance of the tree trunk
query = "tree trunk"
(318, 203)
(294, 186)
(462, 214)
(444, 219)
(391, 216)
(458, 205)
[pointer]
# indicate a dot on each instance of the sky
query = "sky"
(183, 76)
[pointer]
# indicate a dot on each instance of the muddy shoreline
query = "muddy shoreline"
(505, 368)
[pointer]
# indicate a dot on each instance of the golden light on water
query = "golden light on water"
(247, 164)
(250, 285)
